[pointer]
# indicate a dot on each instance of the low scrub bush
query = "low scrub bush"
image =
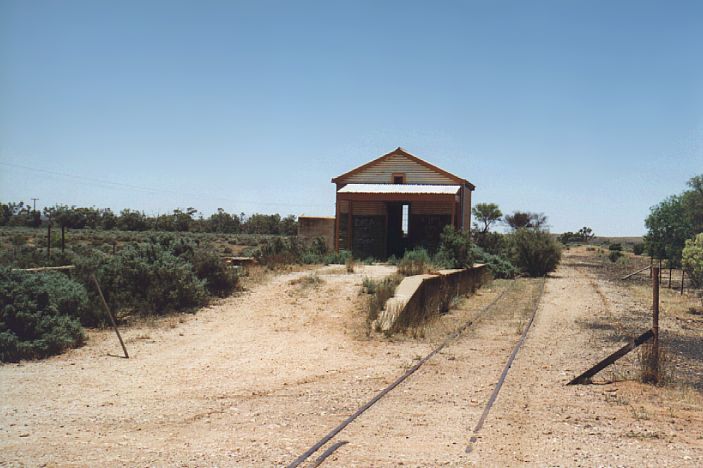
(534, 252)
(278, 250)
(220, 279)
(455, 249)
(617, 247)
(500, 266)
(150, 278)
(337, 258)
(614, 255)
(39, 314)
(638, 248)
(414, 262)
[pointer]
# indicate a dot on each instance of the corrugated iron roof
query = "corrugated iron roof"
(400, 188)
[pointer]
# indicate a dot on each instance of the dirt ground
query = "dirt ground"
(256, 379)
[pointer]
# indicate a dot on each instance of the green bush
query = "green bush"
(455, 249)
(414, 262)
(279, 250)
(693, 260)
(614, 255)
(533, 251)
(220, 279)
(337, 258)
(617, 247)
(150, 279)
(500, 266)
(638, 248)
(39, 314)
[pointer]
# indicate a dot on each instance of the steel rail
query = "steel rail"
(504, 374)
(332, 448)
(397, 382)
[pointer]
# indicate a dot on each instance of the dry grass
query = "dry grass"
(653, 369)
(350, 264)
(379, 292)
(307, 281)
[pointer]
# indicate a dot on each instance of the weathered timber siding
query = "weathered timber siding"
(429, 208)
(368, 208)
(382, 173)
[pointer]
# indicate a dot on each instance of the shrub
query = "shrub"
(39, 314)
(220, 279)
(617, 247)
(533, 251)
(148, 278)
(454, 249)
(638, 248)
(500, 266)
(693, 260)
(337, 258)
(614, 255)
(491, 242)
(318, 246)
(279, 251)
(414, 262)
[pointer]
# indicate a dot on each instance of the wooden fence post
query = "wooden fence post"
(683, 274)
(654, 359)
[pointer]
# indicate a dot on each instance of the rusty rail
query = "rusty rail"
(504, 374)
(319, 444)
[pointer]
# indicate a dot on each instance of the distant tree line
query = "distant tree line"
(180, 220)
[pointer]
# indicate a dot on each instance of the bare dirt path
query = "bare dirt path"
(538, 420)
(256, 379)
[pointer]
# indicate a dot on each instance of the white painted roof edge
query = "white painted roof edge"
(400, 188)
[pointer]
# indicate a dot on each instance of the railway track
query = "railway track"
(451, 338)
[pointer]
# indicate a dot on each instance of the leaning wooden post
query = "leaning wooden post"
(654, 362)
(109, 314)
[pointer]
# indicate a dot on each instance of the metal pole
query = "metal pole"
(109, 314)
(654, 364)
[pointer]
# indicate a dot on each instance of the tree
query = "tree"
(224, 222)
(693, 203)
(668, 228)
(693, 259)
(486, 214)
(526, 219)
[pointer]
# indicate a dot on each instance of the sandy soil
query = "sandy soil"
(258, 378)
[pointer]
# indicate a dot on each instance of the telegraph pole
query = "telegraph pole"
(34, 204)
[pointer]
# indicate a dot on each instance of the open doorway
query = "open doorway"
(398, 216)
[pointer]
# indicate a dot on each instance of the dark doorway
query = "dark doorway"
(396, 239)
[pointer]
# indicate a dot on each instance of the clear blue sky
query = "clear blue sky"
(588, 111)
